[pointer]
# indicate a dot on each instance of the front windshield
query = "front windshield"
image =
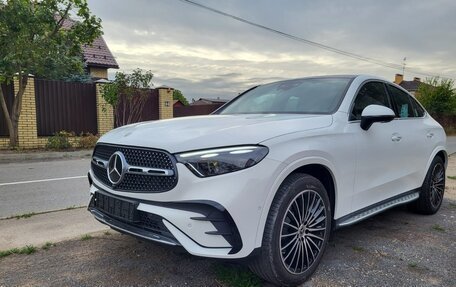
(302, 96)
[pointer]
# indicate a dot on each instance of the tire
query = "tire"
(432, 190)
(299, 192)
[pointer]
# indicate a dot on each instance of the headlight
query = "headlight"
(222, 160)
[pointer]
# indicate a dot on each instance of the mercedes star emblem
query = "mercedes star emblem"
(116, 167)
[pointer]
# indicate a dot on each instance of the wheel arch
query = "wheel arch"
(439, 151)
(325, 176)
(443, 155)
(320, 168)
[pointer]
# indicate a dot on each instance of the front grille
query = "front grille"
(142, 157)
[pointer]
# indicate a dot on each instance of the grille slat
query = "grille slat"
(137, 157)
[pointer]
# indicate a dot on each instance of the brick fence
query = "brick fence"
(28, 132)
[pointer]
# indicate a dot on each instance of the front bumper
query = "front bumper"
(127, 228)
(142, 219)
(212, 217)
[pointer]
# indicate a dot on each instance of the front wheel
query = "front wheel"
(432, 191)
(296, 232)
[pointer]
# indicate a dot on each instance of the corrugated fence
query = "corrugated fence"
(149, 109)
(68, 106)
(8, 91)
(195, 110)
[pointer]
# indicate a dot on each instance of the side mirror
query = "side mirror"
(376, 113)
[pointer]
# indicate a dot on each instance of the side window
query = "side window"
(417, 109)
(292, 104)
(371, 93)
(402, 102)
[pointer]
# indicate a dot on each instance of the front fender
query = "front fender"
(284, 173)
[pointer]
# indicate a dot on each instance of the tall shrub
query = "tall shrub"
(127, 94)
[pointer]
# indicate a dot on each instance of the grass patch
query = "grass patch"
(30, 214)
(438, 228)
(25, 215)
(236, 276)
(452, 205)
(107, 233)
(86, 237)
(29, 249)
(413, 265)
(451, 177)
(47, 245)
(358, 248)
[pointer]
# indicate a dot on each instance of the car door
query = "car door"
(417, 137)
(379, 150)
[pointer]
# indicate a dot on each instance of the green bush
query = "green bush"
(59, 141)
(438, 96)
(88, 141)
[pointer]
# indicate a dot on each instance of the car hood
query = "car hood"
(200, 132)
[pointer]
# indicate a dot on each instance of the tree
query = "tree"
(438, 96)
(127, 95)
(177, 95)
(34, 41)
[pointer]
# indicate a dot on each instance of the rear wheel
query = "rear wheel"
(296, 232)
(432, 191)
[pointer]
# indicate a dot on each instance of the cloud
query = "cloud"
(204, 54)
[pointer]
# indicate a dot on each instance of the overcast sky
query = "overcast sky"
(207, 55)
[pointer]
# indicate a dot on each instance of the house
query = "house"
(208, 101)
(411, 86)
(97, 57)
(178, 103)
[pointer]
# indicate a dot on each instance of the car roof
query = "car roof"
(362, 77)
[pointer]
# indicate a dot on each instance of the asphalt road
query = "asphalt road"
(451, 144)
(42, 186)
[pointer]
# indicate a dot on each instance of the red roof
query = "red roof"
(97, 54)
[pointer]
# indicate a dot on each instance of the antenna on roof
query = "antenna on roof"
(403, 65)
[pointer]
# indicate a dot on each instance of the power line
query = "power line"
(309, 42)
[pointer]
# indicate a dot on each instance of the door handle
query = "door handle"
(396, 138)
(430, 135)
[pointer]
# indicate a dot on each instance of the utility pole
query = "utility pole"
(403, 66)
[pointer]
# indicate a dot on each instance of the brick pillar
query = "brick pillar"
(165, 103)
(27, 130)
(105, 112)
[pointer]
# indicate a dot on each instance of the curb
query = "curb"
(7, 157)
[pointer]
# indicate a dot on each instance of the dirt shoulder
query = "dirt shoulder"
(396, 248)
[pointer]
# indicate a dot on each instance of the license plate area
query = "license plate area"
(119, 208)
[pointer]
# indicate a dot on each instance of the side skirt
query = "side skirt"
(377, 208)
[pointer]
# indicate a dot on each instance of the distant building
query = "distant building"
(98, 57)
(208, 101)
(411, 86)
(178, 103)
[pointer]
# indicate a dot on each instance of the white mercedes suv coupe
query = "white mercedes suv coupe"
(270, 174)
